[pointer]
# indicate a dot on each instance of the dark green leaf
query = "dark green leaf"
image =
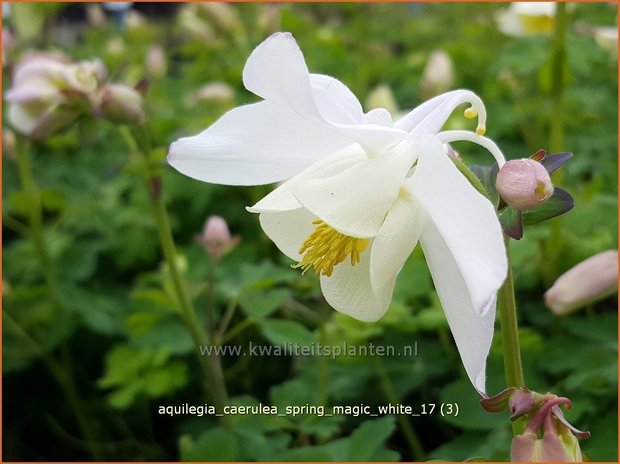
(560, 202)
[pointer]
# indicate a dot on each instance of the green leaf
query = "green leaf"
(282, 332)
(471, 415)
(369, 438)
(261, 303)
(511, 220)
(487, 176)
(218, 444)
(560, 202)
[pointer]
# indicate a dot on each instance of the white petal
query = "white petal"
(431, 115)
(465, 220)
(355, 201)
(335, 102)
(396, 240)
(254, 144)
(349, 291)
(282, 198)
(34, 90)
(276, 71)
(22, 120)
(472, 332)
(288, 229)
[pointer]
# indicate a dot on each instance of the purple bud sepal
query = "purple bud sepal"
(547, 436)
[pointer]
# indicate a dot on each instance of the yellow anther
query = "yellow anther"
(481, 130)
(325, 248)
(470, 113)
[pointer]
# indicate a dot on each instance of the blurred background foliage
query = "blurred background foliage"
(84, 379)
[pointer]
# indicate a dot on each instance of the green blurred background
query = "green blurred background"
(83, 379)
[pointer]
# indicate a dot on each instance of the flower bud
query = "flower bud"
(223, 15)
(523, 19)
(382, 97)
(95, 16)
(156, 63)
(49, 91)
(587, 282)
(524, 183)
(607, 38)
(8, 43)
(212, 92)
(216, 237)
(121, 103)
(438, 75)
(9, 144)
(547, 436)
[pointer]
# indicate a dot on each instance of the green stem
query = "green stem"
(513, 369)
(35, 232)
(558, 79)
(35, 216)
(415, 445)
(214, 376)
(237, 329)
(553, 245)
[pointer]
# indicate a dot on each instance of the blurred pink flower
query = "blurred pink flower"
(49, 91)
(216, 237)
(587, 282)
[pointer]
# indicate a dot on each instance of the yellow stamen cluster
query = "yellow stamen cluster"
(325, 248)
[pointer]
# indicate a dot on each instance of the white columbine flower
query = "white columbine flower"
(362, 191)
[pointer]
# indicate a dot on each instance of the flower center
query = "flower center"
(325, 248)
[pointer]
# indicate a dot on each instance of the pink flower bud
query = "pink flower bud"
(587, 282)
(216, 237)
(438, 75)
(524, 183)
(9, 144)
(156, 61)
(49, 91)
(122, 103)
(547, 438)
(212, 92)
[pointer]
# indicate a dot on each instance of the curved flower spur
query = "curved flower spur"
(362, 191)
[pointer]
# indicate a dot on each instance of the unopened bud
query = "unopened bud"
(156, 61)
(223, 15)
(589, 281)
(216, 237)
(212, 92)
(438, 75)
(382, 97)
(122, 103)
(524, 183)
(9, 144)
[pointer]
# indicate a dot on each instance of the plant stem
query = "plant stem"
(558, 80)
(35, 216)
(35, 232)
(510, 330)
(214, 376)
(553, 245)
(513, 369)
(415, 445)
